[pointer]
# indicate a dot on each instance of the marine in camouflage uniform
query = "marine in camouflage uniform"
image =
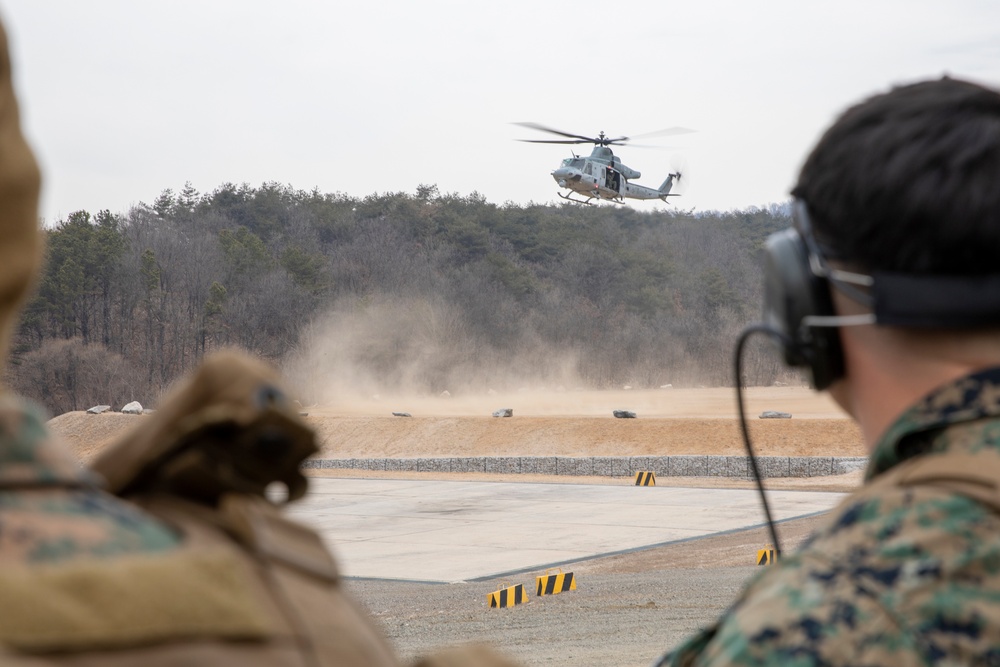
(221, 577)
(906, 571)
(199, 567)
(50, 508)
(897, 221)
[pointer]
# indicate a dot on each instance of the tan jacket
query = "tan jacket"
(197, 567)
(266, 593)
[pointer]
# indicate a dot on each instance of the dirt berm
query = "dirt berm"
(682, 422)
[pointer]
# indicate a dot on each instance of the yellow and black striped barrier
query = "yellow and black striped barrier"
(553, 584)
(766, 556)
(507, 596)
(645, 478)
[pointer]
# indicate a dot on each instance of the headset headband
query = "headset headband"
(907, 300)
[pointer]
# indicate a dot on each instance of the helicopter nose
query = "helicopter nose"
(562, 174)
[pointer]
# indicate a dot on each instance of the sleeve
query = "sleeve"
(805, 613)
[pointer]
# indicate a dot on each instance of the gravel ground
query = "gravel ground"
(627, 609)
(611, 619)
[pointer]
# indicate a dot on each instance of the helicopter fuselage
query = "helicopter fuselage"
(603, 176)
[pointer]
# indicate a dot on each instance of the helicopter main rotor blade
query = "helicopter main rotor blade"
(554, 141)
(542, 128)
(668, 132)
(651, 147)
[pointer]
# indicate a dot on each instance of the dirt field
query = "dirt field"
(627, 608)
(568, 423)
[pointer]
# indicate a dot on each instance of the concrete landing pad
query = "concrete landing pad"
(443, 531)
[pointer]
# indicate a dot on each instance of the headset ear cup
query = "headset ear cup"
(792, 292)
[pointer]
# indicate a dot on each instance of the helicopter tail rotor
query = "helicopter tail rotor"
(679, 167)
(675, 185)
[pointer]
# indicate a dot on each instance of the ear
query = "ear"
(793, 292)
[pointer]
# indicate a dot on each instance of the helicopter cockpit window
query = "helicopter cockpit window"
(574, 162)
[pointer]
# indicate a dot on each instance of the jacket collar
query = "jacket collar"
(967, 400)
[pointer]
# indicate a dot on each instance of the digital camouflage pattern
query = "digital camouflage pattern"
(50, 507)
(898, 574)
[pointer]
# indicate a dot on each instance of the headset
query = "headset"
(798, 305)
(799, 315)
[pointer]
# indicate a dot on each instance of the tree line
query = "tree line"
(425, 292)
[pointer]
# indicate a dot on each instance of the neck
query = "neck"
(888, 371)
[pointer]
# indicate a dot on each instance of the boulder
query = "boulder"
(401, 414)
(623, 414)
(133, 408)
(772, 414)
(504, 412)
(98, 409)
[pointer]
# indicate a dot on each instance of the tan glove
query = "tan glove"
(228, 428)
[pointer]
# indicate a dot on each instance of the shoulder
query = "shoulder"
(50, 507)
(896, 576)
(138, 599)
(50, 525)
(30, 453)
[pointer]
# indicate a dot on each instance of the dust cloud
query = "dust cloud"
(384, 352)
(417, 356)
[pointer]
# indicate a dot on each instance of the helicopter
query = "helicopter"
(602, 175)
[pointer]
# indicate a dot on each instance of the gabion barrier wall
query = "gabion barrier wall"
(611, 466)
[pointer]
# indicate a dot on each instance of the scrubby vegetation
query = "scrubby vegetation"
(429, 291)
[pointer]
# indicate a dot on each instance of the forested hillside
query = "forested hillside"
(395, 292)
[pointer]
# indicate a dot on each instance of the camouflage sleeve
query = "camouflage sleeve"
(803, 615)
(909, 577)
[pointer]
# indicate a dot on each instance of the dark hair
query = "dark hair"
(909, 181)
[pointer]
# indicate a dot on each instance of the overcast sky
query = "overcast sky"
(123, 98)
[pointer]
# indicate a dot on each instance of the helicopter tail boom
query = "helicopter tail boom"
(668, 185)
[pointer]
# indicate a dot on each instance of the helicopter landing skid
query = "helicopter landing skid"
(588, 201)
